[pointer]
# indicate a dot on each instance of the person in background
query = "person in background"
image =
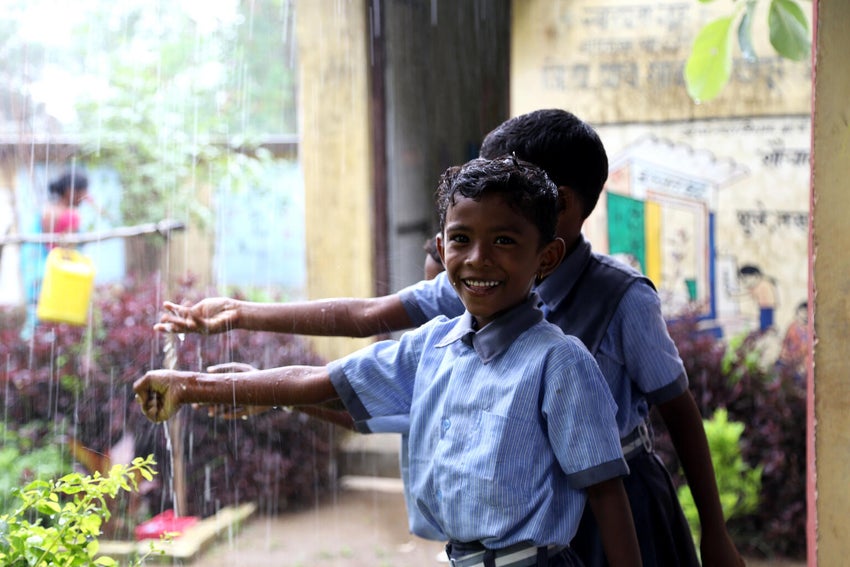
(59, 216)
(433, 263)
(612, 308)
(67, 193)
(511, 425)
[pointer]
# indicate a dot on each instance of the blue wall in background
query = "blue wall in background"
(260, 233)
(259, 239)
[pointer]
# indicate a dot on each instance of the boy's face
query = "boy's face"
(492, 255)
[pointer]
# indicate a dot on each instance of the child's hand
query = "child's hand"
(208, 316)
(158, 393)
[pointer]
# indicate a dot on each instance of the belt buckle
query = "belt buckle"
(646, 439)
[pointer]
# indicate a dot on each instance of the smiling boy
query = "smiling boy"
(511, 425)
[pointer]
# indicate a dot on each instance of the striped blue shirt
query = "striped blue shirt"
(507, 425)
(638, 358)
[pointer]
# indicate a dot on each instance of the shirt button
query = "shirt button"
(439, 494)
(446, 424)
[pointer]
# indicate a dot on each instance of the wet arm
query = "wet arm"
(613, 514)
(349, 317)
(162, 392)
(684, 422)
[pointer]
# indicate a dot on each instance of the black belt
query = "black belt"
(637, 442)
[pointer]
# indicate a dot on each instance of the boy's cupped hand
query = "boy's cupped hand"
(158, 393)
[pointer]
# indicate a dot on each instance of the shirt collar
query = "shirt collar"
(555, 288)
(495, 338)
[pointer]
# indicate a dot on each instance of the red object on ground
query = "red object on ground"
(164, 523)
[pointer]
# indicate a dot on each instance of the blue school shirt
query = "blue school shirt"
(507, 425)
(638, 358)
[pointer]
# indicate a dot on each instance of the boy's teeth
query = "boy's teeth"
(481, 283)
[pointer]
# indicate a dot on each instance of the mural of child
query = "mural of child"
(763, 291)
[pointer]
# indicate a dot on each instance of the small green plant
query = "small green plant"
(23, 460)
(58, 522)
(739, 484)
(743, 356)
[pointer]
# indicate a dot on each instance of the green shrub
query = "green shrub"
(83, 376)
(770, 401)
(58, 522)
(23, 460)
(738, 483)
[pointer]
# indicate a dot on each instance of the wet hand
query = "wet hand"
(208, 316)
(158, 394)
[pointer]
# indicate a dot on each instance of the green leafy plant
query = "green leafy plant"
(58, 522)
(280, 460)
(738, 483)
(741, 357)
(22, 460)
(709, 65)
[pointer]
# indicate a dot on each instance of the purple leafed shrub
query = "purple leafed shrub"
(771, 404)
(77, 381)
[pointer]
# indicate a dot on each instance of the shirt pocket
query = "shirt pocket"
(504, 453)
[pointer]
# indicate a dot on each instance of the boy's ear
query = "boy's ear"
(440, 248)
(550, 258)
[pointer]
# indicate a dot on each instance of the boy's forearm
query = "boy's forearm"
(684, 423)
(348, 317)
(613, 514)
(290, 385)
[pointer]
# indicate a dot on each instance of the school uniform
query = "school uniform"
(626, 332)
(507, 426)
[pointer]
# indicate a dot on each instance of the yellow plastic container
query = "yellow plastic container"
(66, 288)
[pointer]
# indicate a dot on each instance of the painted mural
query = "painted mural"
(716, 214)
(710, 201)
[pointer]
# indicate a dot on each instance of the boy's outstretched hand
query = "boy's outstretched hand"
(208, 316)
(158, 393)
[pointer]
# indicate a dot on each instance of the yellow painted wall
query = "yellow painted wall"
(621, 60)
(335, 153)
(831, 280)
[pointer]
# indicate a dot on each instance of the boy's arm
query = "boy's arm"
(349, 317)
(613, 514)
(162, 392)
(684, 422)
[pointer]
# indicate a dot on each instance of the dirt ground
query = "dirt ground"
(361, 528)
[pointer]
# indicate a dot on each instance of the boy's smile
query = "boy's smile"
(492, 255)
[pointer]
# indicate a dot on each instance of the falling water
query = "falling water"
(169, 351)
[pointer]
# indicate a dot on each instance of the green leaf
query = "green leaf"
(710, 64)
(745, 32)
(48, 508)
(789, 30)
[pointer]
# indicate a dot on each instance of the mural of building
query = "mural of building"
(703, 209)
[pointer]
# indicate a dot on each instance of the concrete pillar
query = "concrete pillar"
(336, 156)
(829, 390)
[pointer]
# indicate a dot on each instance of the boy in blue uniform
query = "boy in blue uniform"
(612, 309)
(512, 426)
